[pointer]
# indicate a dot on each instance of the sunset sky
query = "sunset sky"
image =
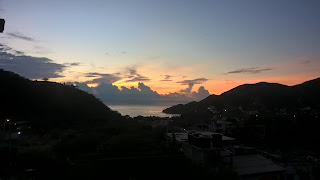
(169, 45)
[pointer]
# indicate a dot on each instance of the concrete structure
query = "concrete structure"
(202, 149)
(257, 167)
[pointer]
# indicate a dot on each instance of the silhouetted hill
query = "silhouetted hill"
(309, 93)
(257, 96)
(48, 104)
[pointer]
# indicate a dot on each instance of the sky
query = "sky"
(184, 47)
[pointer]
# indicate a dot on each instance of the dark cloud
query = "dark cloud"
(253, 70)
(132, 70)
(139, 78)
(306, 61)
(135, 76)
(201, 94)
(143, 94)
(188, 89)
(129, 76)
(193, 81)
(29, 66)
(21, 36)
(91, 75)
(103, 78)
(167, 78)
(190, 84)
(72, 64)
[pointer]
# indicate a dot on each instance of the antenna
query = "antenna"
(2, 21)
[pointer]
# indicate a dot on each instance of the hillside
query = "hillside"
(73, 135)
(48, 104)
(257, 96)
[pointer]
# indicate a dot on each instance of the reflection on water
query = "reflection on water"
(142, 110)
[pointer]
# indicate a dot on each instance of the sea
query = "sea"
(141, 110)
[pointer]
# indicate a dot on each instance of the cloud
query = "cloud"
(167, 78)
(21, 36)
(103, 78)
(193, 81)
(201, 94)
(190, 84)
(72, 64)
(253, 70)
(29, 66)
(188, 89)
(134, 76)
(143, 94)
(138, 78)
(307, 61)
(132, 71)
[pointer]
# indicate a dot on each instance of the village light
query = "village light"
(8, 120)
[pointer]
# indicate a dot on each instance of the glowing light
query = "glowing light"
(8, 120)
(19, 132)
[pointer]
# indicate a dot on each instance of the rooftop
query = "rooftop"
(183, 137)
(254, 164)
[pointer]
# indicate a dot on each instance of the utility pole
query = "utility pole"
(2, 22)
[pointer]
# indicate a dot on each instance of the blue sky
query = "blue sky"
(225, 42)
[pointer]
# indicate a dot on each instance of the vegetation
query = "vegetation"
(268, 114)
(69, 134)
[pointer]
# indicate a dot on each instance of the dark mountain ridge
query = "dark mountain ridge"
(257, 96)
(48, 104)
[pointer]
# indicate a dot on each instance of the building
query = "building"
(257, 167)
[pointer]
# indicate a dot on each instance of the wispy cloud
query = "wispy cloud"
(167, 78)
(132, 70)
(193, 81)
(138, 78)
(73, 64)
(134, 76)
(101, 78)
(21, 36)
(253, 70)
(306, 61)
